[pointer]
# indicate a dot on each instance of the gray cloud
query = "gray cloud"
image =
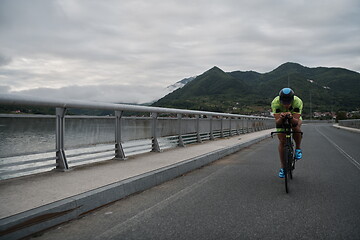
(56, 44)
(4, 89)
(4, 60)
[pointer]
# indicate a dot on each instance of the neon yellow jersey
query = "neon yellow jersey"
(295, 107)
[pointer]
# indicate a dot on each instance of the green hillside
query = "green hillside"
(330, 89)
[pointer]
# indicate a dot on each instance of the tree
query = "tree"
(340, 116)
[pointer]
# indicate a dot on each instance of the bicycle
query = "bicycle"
(289, 155)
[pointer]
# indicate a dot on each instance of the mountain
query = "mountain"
(179, 84)
(328, 89)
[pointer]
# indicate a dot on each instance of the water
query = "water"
(19, 136)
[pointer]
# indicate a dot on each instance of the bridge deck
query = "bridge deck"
(34, 203)
(34, 196)
(241, 197)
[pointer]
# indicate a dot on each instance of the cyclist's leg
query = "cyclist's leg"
(297, 136)
(282, 138)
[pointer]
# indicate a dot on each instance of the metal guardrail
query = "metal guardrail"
(130, 134)
(352, 123)
(318, 121)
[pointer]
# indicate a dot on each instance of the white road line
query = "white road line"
(350, 158)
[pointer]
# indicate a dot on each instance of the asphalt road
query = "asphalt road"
(241, 197)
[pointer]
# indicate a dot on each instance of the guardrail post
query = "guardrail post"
(221, 128)
(181, 142)
(61, 162)
(247, 125)
(236, 126)
(230, 130)
(259, 124)
(242, 125)
(263, 124)
(198, 128)
(119, 151)
(211, 128)
(155, 143)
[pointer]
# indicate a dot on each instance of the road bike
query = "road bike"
(289, 155)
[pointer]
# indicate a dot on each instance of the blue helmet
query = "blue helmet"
(286, 96)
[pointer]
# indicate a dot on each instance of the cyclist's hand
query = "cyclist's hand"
(286, 115)
(282, 115)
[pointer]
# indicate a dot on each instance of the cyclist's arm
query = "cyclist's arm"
(295, 119)
(279, 117)
(278, 120)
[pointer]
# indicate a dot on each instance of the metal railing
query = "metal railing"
(318, 121)
(352, 123)
(110, 137)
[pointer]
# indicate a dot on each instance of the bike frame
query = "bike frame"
(288, 151)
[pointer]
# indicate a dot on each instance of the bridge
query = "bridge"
(237, 196)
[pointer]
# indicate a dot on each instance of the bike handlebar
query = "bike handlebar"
(287, 125)
(285, 132)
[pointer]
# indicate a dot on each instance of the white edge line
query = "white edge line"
(351, 159)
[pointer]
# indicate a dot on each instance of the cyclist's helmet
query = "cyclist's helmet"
(286, 96)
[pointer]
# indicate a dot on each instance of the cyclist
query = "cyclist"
(287, 104)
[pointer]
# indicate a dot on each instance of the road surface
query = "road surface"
(241, 197)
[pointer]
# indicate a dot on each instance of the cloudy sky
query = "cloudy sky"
(131, 50)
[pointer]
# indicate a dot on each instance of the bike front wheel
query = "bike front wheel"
(289, 165)
(288, 173)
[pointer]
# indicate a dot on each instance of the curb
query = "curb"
(347, 128)
(38, 219)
